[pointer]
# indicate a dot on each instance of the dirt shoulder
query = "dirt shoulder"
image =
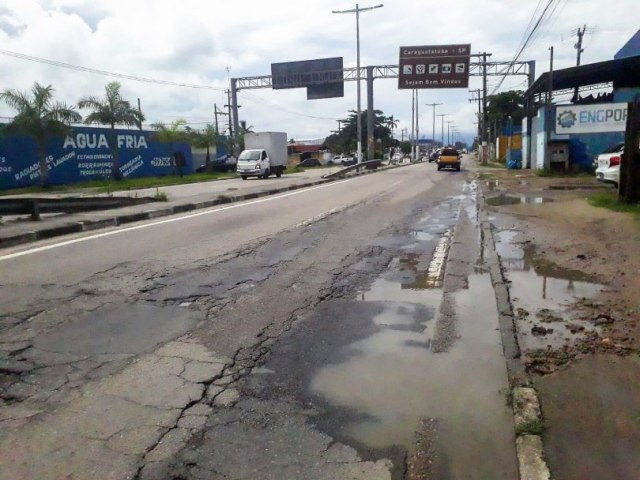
(574, 280)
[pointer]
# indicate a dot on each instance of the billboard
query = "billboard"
(323, 78)
(434, 66)
(87, 154)
(593, 118)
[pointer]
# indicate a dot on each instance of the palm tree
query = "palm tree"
(207, 137)
(176, 132)
(391, 124)
(112, 110)
(242, 131)
(41, 118)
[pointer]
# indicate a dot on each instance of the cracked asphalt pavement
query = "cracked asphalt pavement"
(342, 331)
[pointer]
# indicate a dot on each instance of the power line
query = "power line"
(535, 28)
(96, 71)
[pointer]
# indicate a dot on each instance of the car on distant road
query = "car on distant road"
(608, 164)
(310, 162)
(449, 158)
(344, 160)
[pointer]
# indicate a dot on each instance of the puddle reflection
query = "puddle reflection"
(510, 200)
(537, 285)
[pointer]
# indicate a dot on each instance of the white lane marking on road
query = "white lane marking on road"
(169, 220)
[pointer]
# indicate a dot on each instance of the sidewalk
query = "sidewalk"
(571, 281)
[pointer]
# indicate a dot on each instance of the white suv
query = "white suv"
(608, 164)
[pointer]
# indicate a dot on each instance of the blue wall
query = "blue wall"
(86, 155)
(583, 148)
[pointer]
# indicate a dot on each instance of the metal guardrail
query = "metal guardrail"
(35, 206)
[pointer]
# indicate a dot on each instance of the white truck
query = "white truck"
(264, 154)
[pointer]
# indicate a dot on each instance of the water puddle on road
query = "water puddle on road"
(511, 200)
(394, 378)
(542, 293)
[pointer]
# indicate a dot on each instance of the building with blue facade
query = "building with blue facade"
(569, 135)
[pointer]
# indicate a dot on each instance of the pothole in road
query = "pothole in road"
(501, 200)
(542, 293)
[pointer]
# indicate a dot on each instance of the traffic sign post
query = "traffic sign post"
(434, 66)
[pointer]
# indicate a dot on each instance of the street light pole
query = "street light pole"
(357, 11)
(449, 122)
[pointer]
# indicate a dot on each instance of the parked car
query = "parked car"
(310, 162)
(395, 159)
(608, 164)
(344, 160)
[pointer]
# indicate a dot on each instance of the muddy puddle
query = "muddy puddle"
(501, 200)
(396, 377)
(542, 293)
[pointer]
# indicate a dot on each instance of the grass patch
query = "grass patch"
(545, 172)
(101, 186)
(492, 165)
(534, 427)
(294, 170)
(161, 196)
(610, 201)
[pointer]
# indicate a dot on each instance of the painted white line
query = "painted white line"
(168, 220)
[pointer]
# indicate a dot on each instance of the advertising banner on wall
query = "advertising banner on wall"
(594, 118)
(87, 154)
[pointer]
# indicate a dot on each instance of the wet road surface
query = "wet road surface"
(352, 335)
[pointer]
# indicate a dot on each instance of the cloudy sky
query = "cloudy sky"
(200, 42)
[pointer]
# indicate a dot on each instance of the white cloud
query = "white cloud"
(194, 41)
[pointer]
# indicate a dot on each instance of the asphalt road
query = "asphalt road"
(346, 330)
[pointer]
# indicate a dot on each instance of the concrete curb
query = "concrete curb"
(528, 419)
(88, 225)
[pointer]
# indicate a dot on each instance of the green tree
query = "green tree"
(504, 105)
(112, 110)
(244, 129)
(176, 132)
(40, 118)
(204, 139)
(345, 141)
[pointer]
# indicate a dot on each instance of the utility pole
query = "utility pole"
(433, 130)
(357, 11)
(339, 126)
(578, 47)
(140, 115)
(442, 115)
(217, 112)
(478, 92)
(449, 122)
(549, 119)
(484, 108)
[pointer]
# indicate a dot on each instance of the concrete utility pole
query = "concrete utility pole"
(578, 47)
(217, 112)
(357, 11)
(433, 130)
(140, 114)
(629, 187)
(449, 122)
(442, 115)
(485, 123)
(478, 92)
